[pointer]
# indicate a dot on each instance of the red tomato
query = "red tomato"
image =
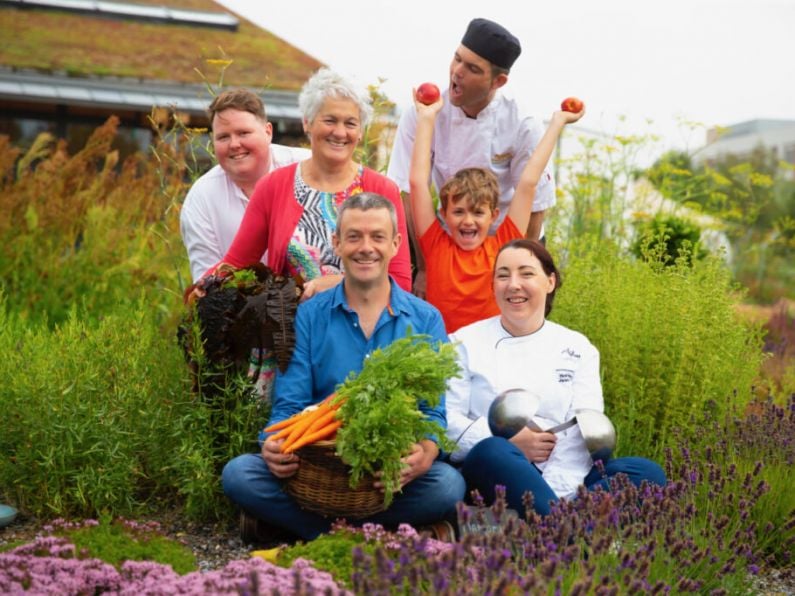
(571, 104)
(428, 93)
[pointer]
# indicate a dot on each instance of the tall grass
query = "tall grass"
(669, 337)
(86, 230)
(666, 325)
(101, 416)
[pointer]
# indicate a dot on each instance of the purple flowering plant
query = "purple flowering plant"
(115, 541)
(725, 516)
(50, 564)
(744, 475)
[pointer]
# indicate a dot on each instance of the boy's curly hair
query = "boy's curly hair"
(477, 185)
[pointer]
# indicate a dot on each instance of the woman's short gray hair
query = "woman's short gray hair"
(326, 83)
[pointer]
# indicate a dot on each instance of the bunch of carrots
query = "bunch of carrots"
(308, 426)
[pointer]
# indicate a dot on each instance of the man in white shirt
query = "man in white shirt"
(214, 207)
(478, 127)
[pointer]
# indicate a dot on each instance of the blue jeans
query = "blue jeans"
(248, 482)
(496, 461)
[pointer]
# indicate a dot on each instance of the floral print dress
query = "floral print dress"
(310, 254)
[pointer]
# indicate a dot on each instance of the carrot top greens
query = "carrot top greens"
(380, 415)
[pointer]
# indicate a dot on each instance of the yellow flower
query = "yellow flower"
(269, 555)
(761, 180)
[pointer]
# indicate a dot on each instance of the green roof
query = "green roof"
(81, 45)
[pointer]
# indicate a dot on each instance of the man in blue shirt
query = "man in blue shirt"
(335, 331)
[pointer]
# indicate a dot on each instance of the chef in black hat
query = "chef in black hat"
(479, 126)
(481, 65)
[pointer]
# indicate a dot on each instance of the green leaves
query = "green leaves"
(381, 416)
(100, 417)
(669, 339)
(330, 552)
(118, 541)
(74, 442)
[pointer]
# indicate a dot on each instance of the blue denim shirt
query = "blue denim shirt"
(329, 345)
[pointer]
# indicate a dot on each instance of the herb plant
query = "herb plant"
(120, 540)
(657, 377)
(329, 552)
(381, 415)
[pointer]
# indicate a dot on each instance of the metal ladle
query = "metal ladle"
(598, 432)
(513, 409)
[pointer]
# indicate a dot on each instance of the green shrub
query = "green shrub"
(215, 431)
(102, 416)
(92, 413)
(225, 422)
(331, 552)
(668, 238)
(669, 338)
(101, 419)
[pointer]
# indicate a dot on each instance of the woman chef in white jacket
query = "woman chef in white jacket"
(521, 349)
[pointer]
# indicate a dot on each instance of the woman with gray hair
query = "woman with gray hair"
(293, 210)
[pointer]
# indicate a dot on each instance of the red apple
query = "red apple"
(428, 93)
(571, 104)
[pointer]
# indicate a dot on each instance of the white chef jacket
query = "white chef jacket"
(214, 208)
(556, 363)
(501, 139)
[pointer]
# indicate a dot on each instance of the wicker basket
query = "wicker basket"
(322, 485)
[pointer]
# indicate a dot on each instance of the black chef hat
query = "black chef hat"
(492, 42)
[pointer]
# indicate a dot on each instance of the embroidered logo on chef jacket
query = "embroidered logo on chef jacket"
(501, 158)
(565, 375)
(569, 354)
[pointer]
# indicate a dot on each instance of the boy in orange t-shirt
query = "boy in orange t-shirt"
(459, 261)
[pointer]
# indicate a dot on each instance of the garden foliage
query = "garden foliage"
(53, 565)
(778, 369)
(716, 525)
(103, 419)
(662, 313)
(95, 413)
(120, 540)
(667, 238)
(84, 230)
(746, 461)
(669, 338)
(100, 414)
(754, 198)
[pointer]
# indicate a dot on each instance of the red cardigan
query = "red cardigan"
(273, 212)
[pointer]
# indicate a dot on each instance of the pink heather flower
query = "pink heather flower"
(407, 531)
(21, 570)
(45, 574)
